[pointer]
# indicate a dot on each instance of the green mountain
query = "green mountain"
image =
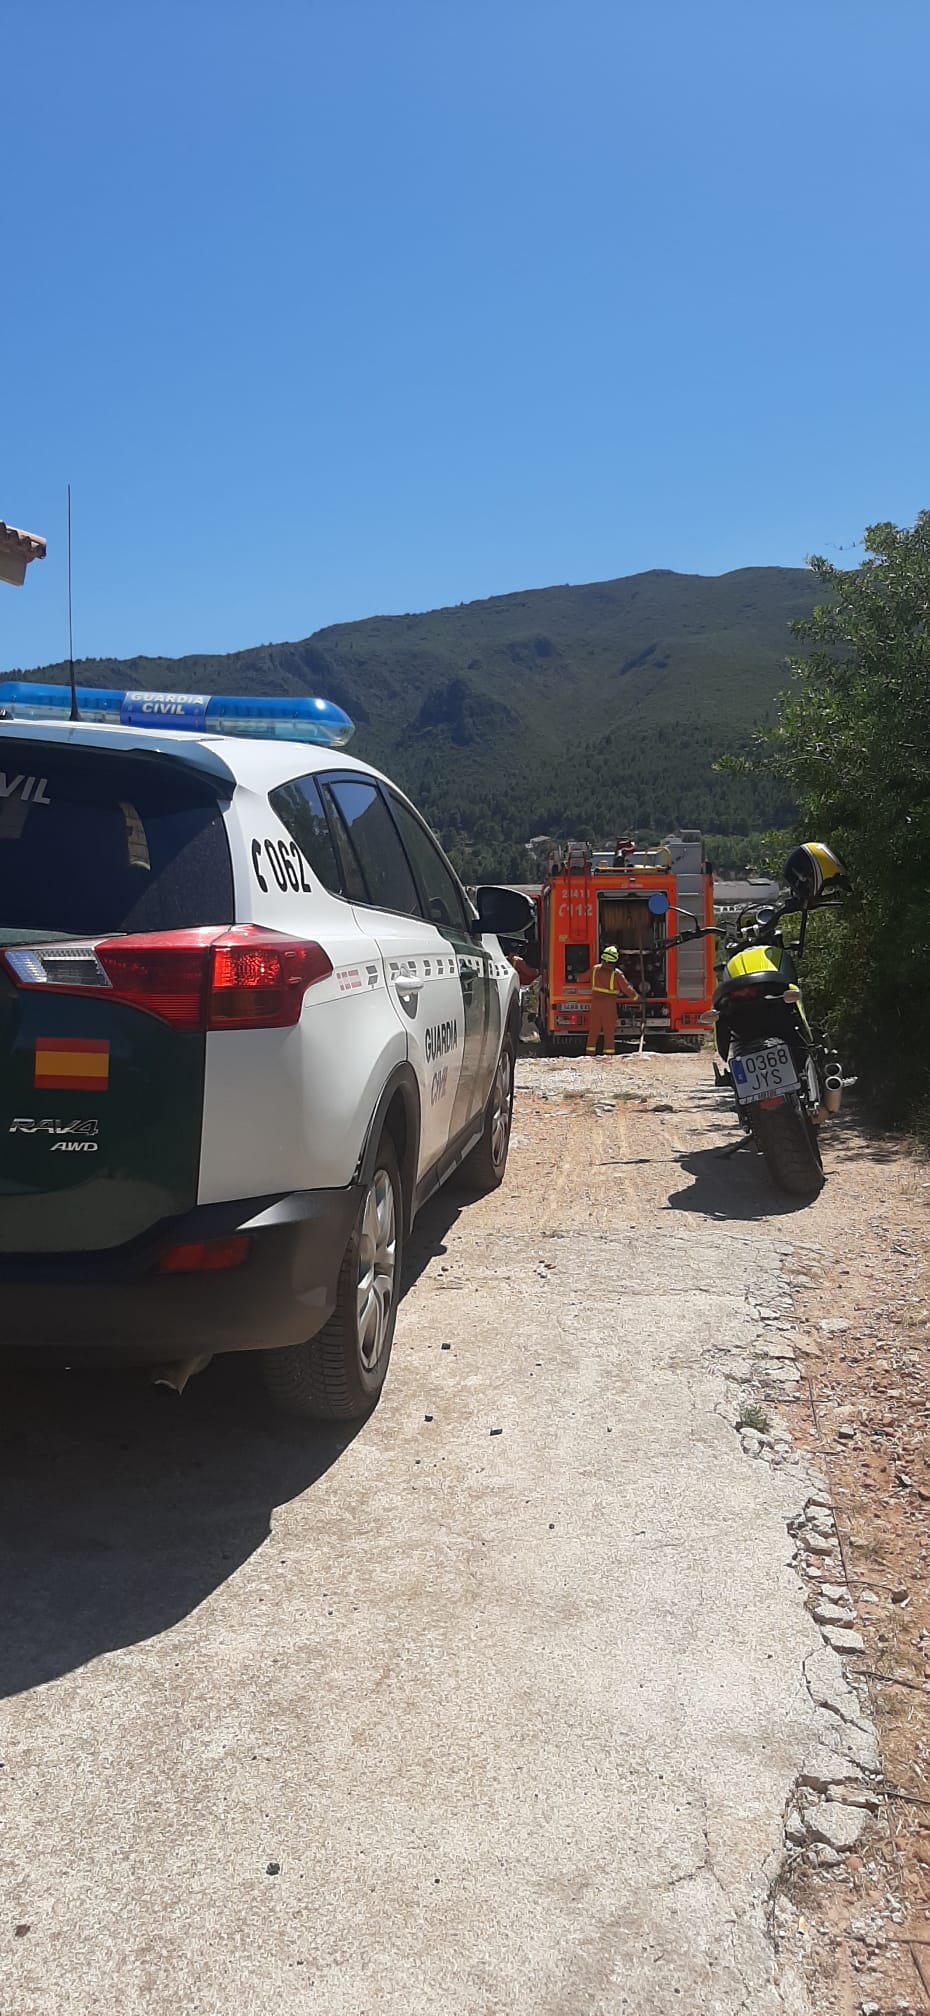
(579, 711)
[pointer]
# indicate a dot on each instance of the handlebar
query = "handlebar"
(688, 937)
(788, 907)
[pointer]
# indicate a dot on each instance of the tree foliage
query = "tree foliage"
(851, 745)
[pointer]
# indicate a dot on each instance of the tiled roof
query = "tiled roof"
(16, 550)
(33, 544)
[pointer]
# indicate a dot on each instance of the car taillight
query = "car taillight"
(203, 979)
(165, 975)
(262, 980)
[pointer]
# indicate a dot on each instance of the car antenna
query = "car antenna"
(74, 716)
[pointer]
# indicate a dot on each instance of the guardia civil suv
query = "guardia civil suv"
(249, 1021)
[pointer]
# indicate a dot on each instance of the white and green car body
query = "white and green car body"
(226, 964)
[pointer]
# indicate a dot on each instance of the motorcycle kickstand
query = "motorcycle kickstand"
(745, 1141)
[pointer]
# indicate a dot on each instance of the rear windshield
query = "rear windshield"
(102, 843)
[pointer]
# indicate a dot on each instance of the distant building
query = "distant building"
(753, 893)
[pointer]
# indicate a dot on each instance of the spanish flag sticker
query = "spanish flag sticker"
(71, 1064)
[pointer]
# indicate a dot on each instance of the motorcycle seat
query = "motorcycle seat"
(768, 983)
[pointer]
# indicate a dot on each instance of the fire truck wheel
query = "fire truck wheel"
(483, 1170)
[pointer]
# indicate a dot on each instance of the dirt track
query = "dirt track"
(499, 1705)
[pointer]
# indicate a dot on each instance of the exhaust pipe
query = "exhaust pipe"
(833, 1088)
(175, 1377)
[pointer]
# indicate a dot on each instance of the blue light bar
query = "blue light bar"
(196, 713)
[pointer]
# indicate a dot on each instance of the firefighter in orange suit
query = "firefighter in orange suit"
(608, 986)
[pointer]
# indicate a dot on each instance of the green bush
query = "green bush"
(851, 745)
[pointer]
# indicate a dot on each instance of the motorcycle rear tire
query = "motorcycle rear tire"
(788, 1141)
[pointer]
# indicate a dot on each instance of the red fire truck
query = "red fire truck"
(589, 900)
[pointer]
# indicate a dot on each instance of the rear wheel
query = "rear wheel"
(483, 1169)
(789, 1144)
(338, 1375)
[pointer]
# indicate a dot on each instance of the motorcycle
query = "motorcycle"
(785, 1076)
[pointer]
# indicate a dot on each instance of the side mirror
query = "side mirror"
(659, 905)
(695, 931)
(504, 912)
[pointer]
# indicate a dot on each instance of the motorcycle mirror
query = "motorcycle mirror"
(659, 905)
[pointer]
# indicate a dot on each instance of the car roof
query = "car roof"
(256, 764)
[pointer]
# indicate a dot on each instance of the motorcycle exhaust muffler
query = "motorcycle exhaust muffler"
(833, 1088)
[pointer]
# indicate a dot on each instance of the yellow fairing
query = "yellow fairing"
(757, 959)
(766, 959)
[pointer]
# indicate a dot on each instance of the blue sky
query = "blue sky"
(336, 307)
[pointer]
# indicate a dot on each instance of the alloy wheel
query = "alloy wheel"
(500, 1113)
(377, 1268)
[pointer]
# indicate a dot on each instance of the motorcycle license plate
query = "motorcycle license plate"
(763, 1074)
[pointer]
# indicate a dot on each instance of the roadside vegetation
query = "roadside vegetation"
(851, 747)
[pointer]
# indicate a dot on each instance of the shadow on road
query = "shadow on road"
(731, 1186)
(124, 1507)
(428, 1239)
(850, 1138)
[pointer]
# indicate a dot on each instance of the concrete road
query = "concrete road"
(493, 1707)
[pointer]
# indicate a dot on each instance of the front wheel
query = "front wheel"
(483, 1170)
(338, 1375)
(789, 1144)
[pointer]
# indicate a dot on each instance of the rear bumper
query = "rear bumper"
(118, 1305)
(568, 1017)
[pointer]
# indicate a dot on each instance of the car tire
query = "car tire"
(484, 1169)
(338, 1374)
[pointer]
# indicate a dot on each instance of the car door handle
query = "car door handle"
(409, 983)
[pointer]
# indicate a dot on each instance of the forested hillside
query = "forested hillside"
(572, 710)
